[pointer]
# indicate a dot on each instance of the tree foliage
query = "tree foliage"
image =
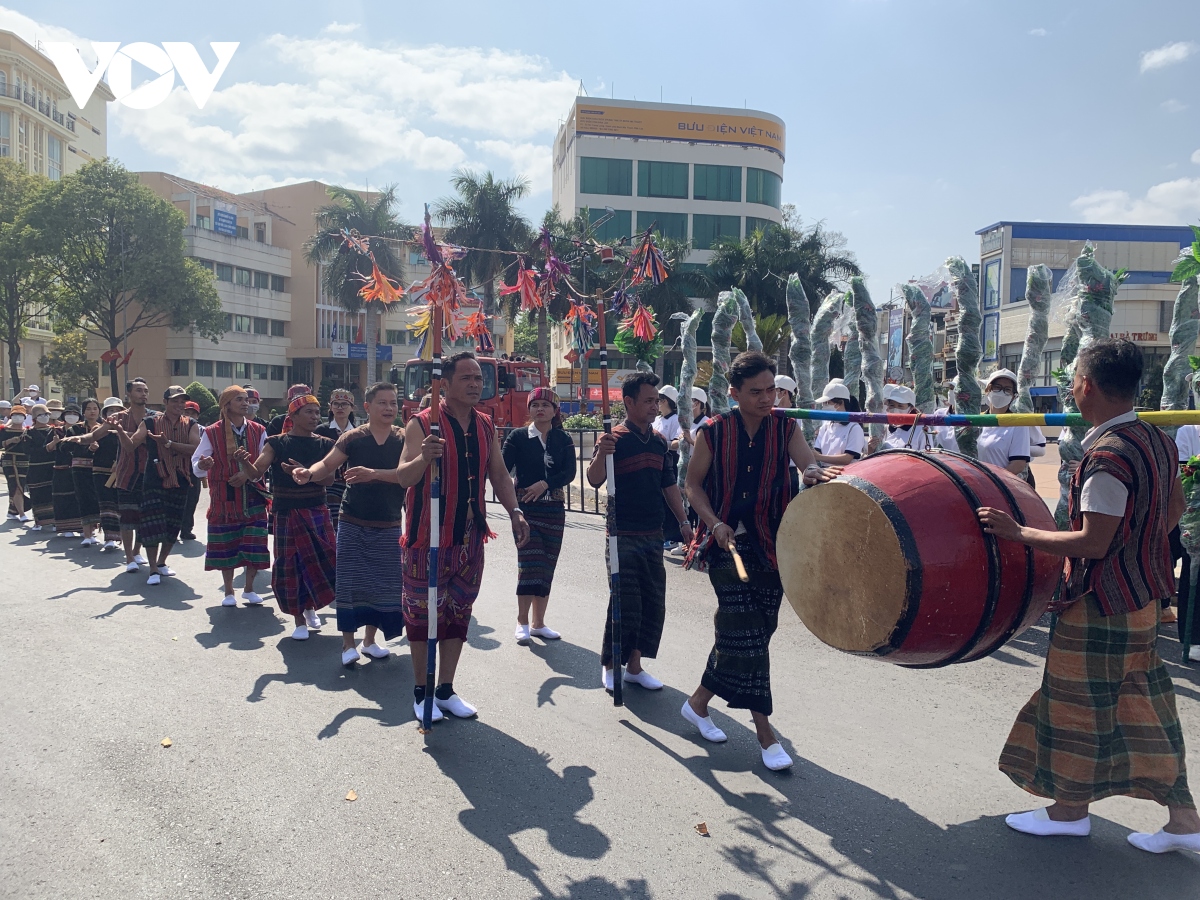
(68, 364)
(525, 336)
(205, 400)
(119, 257)
(1188, 264)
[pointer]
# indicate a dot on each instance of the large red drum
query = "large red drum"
(890, 560)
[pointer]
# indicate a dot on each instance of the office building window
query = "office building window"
(394, 336)
(1016, 286)
(5, 134)
(244, 277)
(277, 373)
(54, 151)
(669, 225)
(262, 280)
(1166, 312)
(260, 232)
(179, 367)
(204, 263)
(204, 368)
(416, 257)
(991, 285)
(754, 224)
(224, 370)
(243, 324)
(764, 187)
(278, 328)
(241, 371)
(605, 176)
(662, 179)
(277, 283)
(619, 226)
(206, 223)
(260, 372)
(243, 232)
(224, 272)
(229, 321)
(717, 183)
(706, 230)
(261, 326)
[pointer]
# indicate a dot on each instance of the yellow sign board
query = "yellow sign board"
(597, 117)
(572, 376)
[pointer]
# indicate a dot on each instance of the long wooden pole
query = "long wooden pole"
(435, 516)
(610, 488)
(904, 420)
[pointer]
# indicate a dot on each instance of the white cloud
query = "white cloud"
(1173, 106)
(1038, 32)
(31, 32)
(1167, 55)
(336, 27)
(1196, 157)
(1168, 203)
(534, 161)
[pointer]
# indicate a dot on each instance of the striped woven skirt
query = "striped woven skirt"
(129, 506)
(460, 572)
(739, 665)
(333, 500)
(66, 502)
(305, 560)
(643, 597)
(1104, 721)
(85, 491)
(41, 492)
(232, 545)
(16, 475)
(537, 560)
(368, 579)
(106, 499)
(162, 514)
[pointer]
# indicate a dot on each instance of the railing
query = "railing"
(13, 92)
(579, 496)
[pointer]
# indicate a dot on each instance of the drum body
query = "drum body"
(890, 560)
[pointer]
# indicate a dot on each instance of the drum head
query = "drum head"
(842, 567)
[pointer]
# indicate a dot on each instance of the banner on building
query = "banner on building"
(598, 117)
(225, 218)
(340, 350)
(895, 339)
(991, 337)
(359, 351)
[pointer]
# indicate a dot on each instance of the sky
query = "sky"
(911, 124)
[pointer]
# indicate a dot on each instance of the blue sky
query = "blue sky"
(910, 123)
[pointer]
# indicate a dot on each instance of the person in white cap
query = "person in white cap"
(1005, 446)
(667, 425)
(838, 443)
(902, 399)
(5, 412)
(701, 411)
(785, 392)
(33, 394)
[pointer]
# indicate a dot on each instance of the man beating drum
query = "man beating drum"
(1104, 721)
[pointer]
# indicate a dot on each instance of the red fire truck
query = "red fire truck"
(506, 387)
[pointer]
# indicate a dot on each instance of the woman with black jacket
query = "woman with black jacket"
(542, 461)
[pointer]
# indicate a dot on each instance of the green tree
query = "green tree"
(205, 400)
(772, 330)
(1188, 263)
(343, 273)
(119, 255)
(484, 216)
(28, 285)
(68, 363)
(525, 338)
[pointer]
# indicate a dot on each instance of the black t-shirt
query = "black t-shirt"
(105, 456)
(308, 451)
(643, 468)
(375, 504)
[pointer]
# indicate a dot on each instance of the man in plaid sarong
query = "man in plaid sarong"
(1104, 721)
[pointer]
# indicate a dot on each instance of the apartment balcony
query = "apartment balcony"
(12, 92)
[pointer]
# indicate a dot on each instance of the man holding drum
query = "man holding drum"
(1104, 722)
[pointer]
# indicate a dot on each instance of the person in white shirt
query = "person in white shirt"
(1187, 439)
(1004, 446)
(700, 410)
(838, 443)
(902, 399)
(667, 425)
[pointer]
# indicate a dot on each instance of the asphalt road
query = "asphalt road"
(550, 792)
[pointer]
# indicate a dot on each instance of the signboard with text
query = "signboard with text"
(224, 218)
(359, 351)
(339, 350)
(598, 117)
(895, 338)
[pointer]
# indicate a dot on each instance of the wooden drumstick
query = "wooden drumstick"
(740, 566)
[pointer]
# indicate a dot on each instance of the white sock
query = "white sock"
(1164, 842)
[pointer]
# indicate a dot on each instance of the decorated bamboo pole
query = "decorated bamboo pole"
(687, 378)
(1185, 327)
(801, 350)
(724, 318)
(867, 320)
(1037, 295)
(746, 317)
(967, 395)
(610, 488)
(435, 526)
(1089, 317)
(920, 346)
(1160, 418)
(822, 328)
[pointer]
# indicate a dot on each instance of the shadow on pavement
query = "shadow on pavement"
(241, 627)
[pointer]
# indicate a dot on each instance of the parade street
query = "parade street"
(550, 792)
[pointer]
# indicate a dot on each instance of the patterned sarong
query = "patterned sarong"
(232, 545)
(739, 666)
(162, 514)
(369, 579)
(129, 506)
(85, 491)
(537, 560)
(1103, 722)
(66, 504)
(460, 571)
(643, 597)
(110, 512)
(305, 560)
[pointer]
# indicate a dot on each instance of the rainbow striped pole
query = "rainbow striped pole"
(905, 420)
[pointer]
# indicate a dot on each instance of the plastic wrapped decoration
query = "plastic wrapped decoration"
(867, 319)
(687, 378)
(801, 350)
(746, 317)
(526, 286)
(1185, 327)
(1089, 319)
(968, 398)
(724, 318)
(920, 346)
(1037, 294)
(822, 331)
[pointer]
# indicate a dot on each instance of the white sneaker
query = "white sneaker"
(456, 706)
(312, 620)
(375, 651)
(141, 560)
(546, 634)
(419, 711)
(252, 598)
(301, 633)
(155, 578)
(350, 657)
(1164, 842)
(643, 678)
(14, 516)
(1194, 654)
(132, 567)
(606, 679)
(522, 634)
(775, 758)
(110, 545)
(166, 571)
(88, 542)
(36, 528)
(708, 728)
(26, 517)
(1038, 822)
(229, 601)
(67, 534)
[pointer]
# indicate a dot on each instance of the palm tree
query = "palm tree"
(484, 216)
(344, 272)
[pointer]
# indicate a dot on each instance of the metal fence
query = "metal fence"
(579, 496)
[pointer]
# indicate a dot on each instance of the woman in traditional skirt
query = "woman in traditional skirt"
(40, 478)
(16, 465)
(341, 420)
(79, 441)
(541, 459)
(68, 522)
(104, 457)
(305, 542)
(369, 574)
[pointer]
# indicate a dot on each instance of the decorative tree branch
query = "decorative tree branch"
(920, 346)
